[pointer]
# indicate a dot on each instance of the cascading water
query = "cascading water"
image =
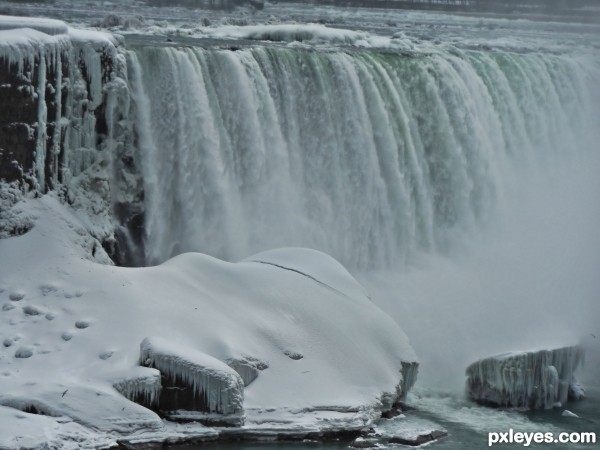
(369, 156)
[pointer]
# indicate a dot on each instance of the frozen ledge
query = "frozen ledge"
(194, 382)
(534, 380)
(35, 33)
(47, 26)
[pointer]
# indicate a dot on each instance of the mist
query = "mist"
(528, 282)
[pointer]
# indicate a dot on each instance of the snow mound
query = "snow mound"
(313, 33)
(541, 379)
(315, 265)
(32, 431)
(93, 406)
(51, 27)
(247, 367)
(213, 313)
(14, 220)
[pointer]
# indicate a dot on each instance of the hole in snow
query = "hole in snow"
(16, 296)
(24, 352)
(48, 289)
(31, 310)
(293, 355)
(66, 336)
(105, 355)
(82, 324)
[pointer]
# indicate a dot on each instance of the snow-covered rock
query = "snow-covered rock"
(247, 367)
(539, 379)
(140, 384)
(50, 27)
(405, 429)
(209, 313)
(66, 126)
(194, 381)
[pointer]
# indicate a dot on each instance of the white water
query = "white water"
(367, 156)
(456, 183)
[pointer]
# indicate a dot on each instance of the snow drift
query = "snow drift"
(318, 336)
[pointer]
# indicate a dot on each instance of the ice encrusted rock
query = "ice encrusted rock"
(217, 388)
(50, 27)
(408, 429)
(247, 367)
(141, 385)
(541, 379)
(96, 407)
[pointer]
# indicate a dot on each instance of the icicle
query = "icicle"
(222, 386)
(143, 386)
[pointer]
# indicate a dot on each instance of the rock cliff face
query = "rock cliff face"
(17, 135)
(64, 109)
(541, 379)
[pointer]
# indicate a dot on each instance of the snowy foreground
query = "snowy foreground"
(287, 340)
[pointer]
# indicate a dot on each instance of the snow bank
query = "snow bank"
(313, 33)
(32, 431)
(22, 35)
(47, 26)
(325, 355)
(541, 379)
(314, 265)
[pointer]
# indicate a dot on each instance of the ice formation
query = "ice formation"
(142, 385)
(63, 132)
(50, 27)
(247, 367)
(64, 74)
(541, 379)
(219, 386)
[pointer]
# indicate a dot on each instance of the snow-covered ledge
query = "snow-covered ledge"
(194, 383)
(537, 379)
(327, 359)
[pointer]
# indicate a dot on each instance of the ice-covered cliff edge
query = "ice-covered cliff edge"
(63, 121)
(541, 379)
(72, 328)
